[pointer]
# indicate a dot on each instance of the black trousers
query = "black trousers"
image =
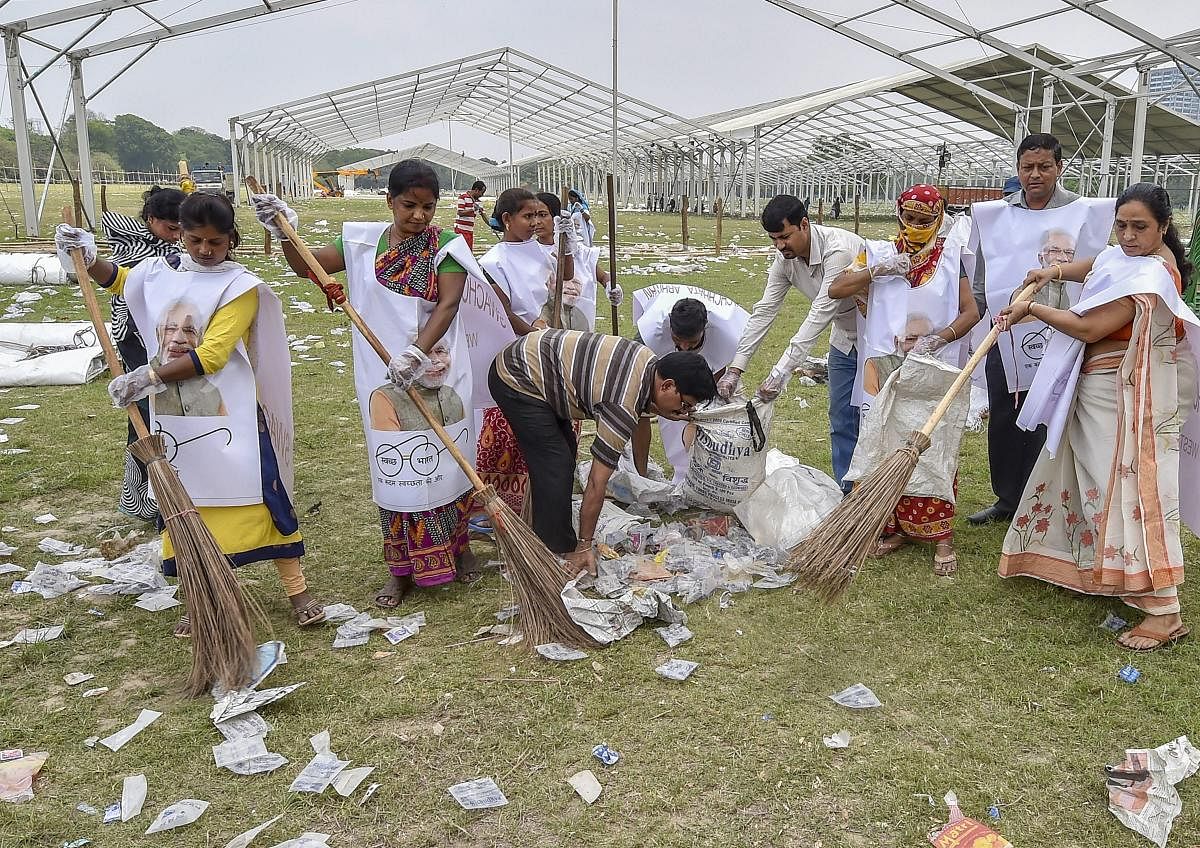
(549, 445)
(1012, 451)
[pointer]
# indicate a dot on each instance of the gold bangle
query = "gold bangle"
(1059, 267)
(953, 332)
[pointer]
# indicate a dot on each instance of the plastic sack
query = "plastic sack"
(788, 505)
(728, 459)
(49, 354)
(627, 486)
(31, 269)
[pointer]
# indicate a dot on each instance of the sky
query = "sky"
(690, 57)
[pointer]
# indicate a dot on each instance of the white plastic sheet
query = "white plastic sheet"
(788, 505)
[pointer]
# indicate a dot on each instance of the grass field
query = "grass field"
(1004, 691)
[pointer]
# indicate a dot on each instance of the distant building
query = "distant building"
(1182, 98)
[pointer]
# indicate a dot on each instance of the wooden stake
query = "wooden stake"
(719, 208)
(856, 215)
(683, 211)
(560, 272)
(103, 197)
(820, 210)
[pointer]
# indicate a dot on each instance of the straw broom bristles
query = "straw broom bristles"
(223, 639)
(829, 558)
(223, 643)
(537, 578)
(537, 575)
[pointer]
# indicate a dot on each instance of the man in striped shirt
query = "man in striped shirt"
(544, 380)
(468, 207)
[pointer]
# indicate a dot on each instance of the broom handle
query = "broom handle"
(612, 248)
(965, 374)
(93, 308)
(373, 340)
(560, 272)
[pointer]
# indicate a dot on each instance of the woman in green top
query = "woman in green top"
(429, 547)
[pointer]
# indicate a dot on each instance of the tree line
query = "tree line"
(131, 143)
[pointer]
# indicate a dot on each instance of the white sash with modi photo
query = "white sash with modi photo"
(410, 469)
(897, 314)
(1014, 241)
(209, 423)
(726, 320)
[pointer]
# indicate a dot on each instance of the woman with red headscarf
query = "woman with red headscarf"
(930, 312)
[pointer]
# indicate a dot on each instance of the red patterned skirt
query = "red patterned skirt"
(425, 544)
(924, 519)
(499, 460)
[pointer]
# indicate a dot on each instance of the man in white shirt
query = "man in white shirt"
(809, 258)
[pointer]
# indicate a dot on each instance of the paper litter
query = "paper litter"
(95, 693)
(677, 669)
(7, 549)
(133, 796)
(31, 636)
(675, 635)
(233, 704)
(371, 790)
(839, 740)
(586, 785)
(856, 697)
(39, 519)
(177, 815)
(318, 774)
(559, 652)
(479, 794)
(118, 740)
(77, 677)
(1141, 790)
(16, 777)
(348, 780)
(246, 837)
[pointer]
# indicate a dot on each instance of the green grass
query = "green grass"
(1001, 690)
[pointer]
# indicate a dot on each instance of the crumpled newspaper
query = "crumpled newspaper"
(1141, 790)
(609, 619)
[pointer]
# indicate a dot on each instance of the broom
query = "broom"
(828, 558)
(223, 642)
(536, 573)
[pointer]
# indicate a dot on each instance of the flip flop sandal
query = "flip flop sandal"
(312, 613)
(888, 545)
(481, 525)
(945, 565)
(1164, 641)
(395, 598)
(184, 621)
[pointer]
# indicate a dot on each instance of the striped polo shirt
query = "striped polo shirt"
(584, 375)
(465, 212)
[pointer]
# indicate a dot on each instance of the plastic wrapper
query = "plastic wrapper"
(788, 505)
(16, 777)
(626, 486)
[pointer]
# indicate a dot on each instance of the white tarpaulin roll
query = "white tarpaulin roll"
(31, 269)
(81, 362)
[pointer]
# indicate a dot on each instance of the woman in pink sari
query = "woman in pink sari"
(1100, 514)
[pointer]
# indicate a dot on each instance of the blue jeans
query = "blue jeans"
(843, 418)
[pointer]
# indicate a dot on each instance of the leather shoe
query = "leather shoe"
(992, 514)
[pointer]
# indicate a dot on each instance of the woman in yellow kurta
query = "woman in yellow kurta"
(188, 351)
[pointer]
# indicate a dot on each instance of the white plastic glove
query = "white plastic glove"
(616, 294)
(929, 345)
(266, 207)
(776, 382)
(134, 385)
(407, 366)
(564, 226)
(895, 266)
(68, 238)
(728, 384)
